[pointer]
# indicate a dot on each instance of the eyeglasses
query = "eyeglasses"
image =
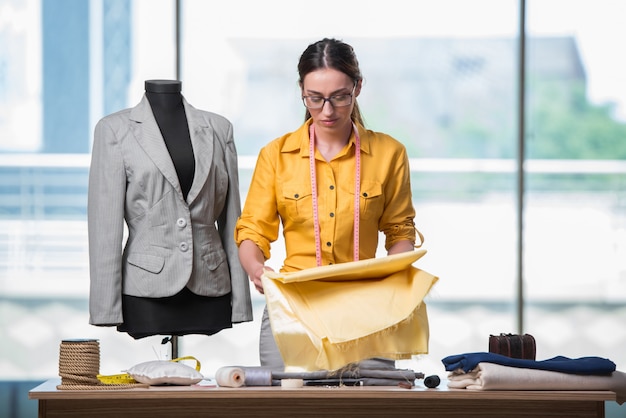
(318, 102)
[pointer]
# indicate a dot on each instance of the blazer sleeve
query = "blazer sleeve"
(240, 285)
(105, 224)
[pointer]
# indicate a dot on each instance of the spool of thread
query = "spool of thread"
(432, 382)
(258, 376)
(291, 383)
(232, 377)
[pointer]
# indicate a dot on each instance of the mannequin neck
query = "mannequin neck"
(164, 94)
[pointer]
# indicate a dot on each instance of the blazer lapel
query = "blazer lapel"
(202, 141)
(148, 134)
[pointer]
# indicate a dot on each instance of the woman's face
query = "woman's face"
(328, 83)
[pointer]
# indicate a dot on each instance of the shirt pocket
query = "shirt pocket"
(297, 202)
(372, 200)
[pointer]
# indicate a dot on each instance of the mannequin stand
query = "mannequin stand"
(173, 340)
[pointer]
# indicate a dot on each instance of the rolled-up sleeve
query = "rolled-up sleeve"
(397, 221)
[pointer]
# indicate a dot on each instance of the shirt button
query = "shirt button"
(332, 187)
(296, 195)
(328, 244)
(364, 194)
(183, 246)
(332, 215)
(181, 222)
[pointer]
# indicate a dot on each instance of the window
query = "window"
(441, 77)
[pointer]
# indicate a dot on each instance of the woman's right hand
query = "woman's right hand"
(256, 277)
(253, 263)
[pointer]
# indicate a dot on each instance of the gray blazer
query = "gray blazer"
(169, 243)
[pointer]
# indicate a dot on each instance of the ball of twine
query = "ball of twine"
(79, 366)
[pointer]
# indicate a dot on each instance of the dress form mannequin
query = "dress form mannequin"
(185, 312)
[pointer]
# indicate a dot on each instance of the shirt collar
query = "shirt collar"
(299, 140)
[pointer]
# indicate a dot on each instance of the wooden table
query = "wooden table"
(367, 401)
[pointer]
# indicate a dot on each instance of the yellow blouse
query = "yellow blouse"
(280, 190)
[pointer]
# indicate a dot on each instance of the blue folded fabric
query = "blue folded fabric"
(582, 365)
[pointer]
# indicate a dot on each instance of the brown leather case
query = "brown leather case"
(513, 345)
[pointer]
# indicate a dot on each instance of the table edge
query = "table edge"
(48, 391)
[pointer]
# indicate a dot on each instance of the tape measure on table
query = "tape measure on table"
(189, 358)
(116, 379)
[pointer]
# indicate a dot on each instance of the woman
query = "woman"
(333, 184)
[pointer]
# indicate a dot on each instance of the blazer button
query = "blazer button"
(183, 246)
(181, 222)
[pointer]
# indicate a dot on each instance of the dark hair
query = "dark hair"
(335, 54)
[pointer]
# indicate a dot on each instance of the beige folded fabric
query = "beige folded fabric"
(326, 317)
(491, 376)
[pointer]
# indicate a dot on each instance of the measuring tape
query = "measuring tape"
(357, 192)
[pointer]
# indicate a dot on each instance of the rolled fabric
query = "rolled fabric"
(231, 376)
(237, 376)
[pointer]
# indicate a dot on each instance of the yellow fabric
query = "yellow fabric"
(369, 308)
(353, 270)
(280, 190)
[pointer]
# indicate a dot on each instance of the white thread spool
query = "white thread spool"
(291, 383)
(232, 377)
